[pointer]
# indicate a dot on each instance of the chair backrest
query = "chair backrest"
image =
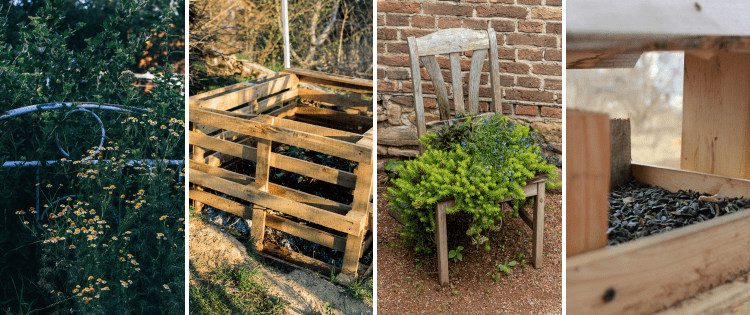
(453, 42)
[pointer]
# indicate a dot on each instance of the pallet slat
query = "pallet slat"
(675, 179)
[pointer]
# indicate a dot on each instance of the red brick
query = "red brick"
(394, 60)
(503, 26)
(529, 82)
(449, 22)
(387, 86)
(507, 109)
(427, 88)
(403, 100)
(483, 91)
(507, 11)
(547, 14)
(381, 19)
(554, 28)
(530, 95)
(483, 78)
(530, 54)
(506, 80)
(381, 47)
(415, 32)
(422, 21)
(530, 2)
(503, 1)
(445, 63)
(554, 2)
(399, 6)
(506, 53)
(532, 40)
(429, 102)
(514, 67)
(553, 55)
(398, 74)
(554, 112)
(387, 33)
(552, 84)
(396, 20)
(530, 26)
(381, 74)
(527, 110)
(476, 1)
(558, 98)
(475, 24)
(398, 47)
(548, 69)
(448, 9)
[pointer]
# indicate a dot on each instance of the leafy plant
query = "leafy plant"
(456, 254)
(390, 167)
(506, 266)
(478, 164)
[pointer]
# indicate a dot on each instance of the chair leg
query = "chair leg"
(352, 255)
(537, 251)
(441, 238)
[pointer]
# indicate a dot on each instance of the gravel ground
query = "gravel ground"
(407, 283)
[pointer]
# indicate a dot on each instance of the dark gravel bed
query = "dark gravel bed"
(637, 210)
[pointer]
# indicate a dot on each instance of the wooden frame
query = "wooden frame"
(535, 187)
(653, 273)
(453, 42)
(226, 124)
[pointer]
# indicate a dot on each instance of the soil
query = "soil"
(408, 284)
(304, 291)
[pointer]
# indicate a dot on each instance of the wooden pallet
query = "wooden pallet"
(226, 125)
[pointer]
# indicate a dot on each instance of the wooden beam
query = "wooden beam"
(652, 273)
(355, 85)
(716, 115)
(675, 179)
(300, 139)
(450, 41)
(236, 97)
(441, 239)
(587, 187)
(334, 99)
(318, 130)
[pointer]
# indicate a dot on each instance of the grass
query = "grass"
(360, 289)
(232, 291)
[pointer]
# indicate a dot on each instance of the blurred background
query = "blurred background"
(650, 94)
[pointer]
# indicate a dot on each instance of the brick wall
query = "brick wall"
(529, 39)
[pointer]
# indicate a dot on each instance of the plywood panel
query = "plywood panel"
(716, 115)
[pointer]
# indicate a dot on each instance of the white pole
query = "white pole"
(285, 26)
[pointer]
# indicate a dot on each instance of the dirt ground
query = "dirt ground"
(306, 292)
(407, 283)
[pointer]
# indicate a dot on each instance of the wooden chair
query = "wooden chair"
(453, 42)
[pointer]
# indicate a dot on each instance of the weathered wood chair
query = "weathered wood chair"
(453, 42)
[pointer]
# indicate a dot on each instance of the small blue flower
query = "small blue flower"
(457, 115)
(463, 143)
(495, 150)
(504, 179)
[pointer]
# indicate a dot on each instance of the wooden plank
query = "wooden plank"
(432, 67)
(284, 111)
(363, 191)
(458, 90)
(537, 251)
(300, 139)
(719, 300)
(275, 189)
(716, 115)
(303, 231)
(355, 85)
(587, 187)
(652, 273)
(497, 97)
(441, 239)
(229, 100)
(234, 87)
(334, 99)
(336, 116)
(252, 107)
(477, 61)
(352, 253)
(675, 179)
(416, 79)
(452, 40)
(678, 17)
(223, 204)
(298, 260)
(258, 229)
(263, 164)
(271, 201)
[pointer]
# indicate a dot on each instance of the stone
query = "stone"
(396, 151)
(550, 132)
(381, 114)
(394, 114)
(397, 136)
(427, 118)
(382, 150)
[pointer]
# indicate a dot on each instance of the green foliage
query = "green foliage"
(490, 161)
(360, 289)
(456, 254)
(391, 166)
(129, 210)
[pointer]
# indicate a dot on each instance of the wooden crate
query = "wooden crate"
(653, 273)
(226, 126)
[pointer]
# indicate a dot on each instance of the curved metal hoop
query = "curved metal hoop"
(101, 125)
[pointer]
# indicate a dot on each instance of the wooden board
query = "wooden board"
(300, 139)
(355, 85)
(719, 300)
(252, 92)
(675, 179)
(716, 115)
(650, 274)
(452, 40)
(587, 182)
(333, 99)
